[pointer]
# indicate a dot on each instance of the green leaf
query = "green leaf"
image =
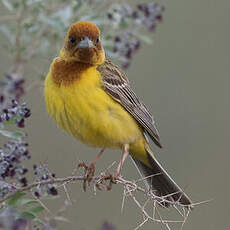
(39, 221)
(28, 215)
(27, 201)
(16, 5)
(31, 205)
(10, 122)
(12, 134)
(15, 199)
(8, 5)
(36, 209)
(144, 38)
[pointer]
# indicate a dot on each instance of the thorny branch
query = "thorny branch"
(104, 181)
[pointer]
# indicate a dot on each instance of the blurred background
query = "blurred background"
(183, 77)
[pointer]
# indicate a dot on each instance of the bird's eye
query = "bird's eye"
(97, 40)
(72, 39)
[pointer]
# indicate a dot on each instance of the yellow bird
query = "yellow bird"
(89, 97)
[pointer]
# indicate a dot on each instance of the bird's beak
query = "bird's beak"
(85, 43)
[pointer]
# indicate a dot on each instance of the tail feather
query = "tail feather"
(160, 182)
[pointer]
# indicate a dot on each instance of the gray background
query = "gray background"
(184, 79)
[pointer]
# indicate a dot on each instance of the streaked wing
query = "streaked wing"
(116, 84)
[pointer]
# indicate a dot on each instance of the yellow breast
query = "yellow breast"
(87, 112)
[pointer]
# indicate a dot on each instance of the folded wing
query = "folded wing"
(116, 84)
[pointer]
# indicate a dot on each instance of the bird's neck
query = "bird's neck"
(66, 72)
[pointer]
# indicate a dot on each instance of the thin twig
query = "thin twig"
(44, 182)
(130, 190)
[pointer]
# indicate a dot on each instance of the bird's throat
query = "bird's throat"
(65, 73)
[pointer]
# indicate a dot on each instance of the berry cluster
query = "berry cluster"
(128, 42)
(12, 88)
(148, 14)
(42, 173)
(119, 13)
(11, 156)
(126, 46)
(15, 151)
(16, 113)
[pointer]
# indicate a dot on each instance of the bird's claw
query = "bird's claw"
(89, 173)
(111, 177)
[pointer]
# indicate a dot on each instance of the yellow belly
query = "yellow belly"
(88, 113)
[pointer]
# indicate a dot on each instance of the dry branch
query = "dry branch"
(104, 181)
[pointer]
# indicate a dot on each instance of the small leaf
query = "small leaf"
(144, 38)
(14, 199)
(31, 205)
(12, 134)
(61, 218)
(27, 201)
(28, 215)
(11, 121)
(36, 209)
(39, 221)
(8, 5)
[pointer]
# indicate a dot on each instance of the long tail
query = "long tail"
(160, 182)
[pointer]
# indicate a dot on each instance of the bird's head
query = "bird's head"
(83, 44)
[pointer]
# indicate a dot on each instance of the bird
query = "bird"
(89, 96)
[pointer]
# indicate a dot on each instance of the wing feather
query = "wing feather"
(116, 84)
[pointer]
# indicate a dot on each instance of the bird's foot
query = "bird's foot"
(111, 177)
(89, 173)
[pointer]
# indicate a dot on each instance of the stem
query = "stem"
(67, 180)
(44, 182)
(18, 62)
